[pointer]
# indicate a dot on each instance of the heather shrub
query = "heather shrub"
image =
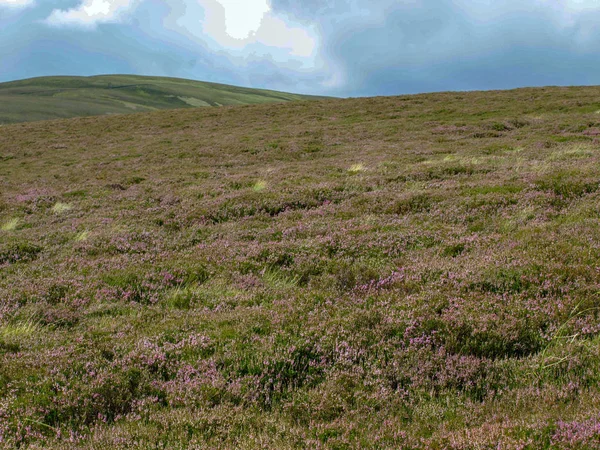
(56, 293)
(505, 281)
(147, 289)
(518, 341)
(8, 347)
(453, 250)
(297, 367)
(412, 204)
(58, 316)
(577, 434)
(18, 252)
(449, 171)
(349, 274)
(567, 185)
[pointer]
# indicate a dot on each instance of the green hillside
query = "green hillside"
(64, 97)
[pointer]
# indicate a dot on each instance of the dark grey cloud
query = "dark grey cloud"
(376, 47)
(415, 46)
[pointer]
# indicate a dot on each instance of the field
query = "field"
(405, 272)
(64, 97)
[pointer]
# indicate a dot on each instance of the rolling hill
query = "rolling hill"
(64, 97)
(417, 272)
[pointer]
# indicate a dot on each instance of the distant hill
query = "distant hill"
(63, 97)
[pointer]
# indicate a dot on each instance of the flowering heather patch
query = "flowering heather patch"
(235, 278)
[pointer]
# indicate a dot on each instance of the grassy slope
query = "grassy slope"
(416, 272)
(64, 97)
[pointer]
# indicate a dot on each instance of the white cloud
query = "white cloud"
(231, 24)
(242, 29)
(16, 3)
(236, 24)
(92, 12)
(242, 17)
(274, 32)
(574, 5)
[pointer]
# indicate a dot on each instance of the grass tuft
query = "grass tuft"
(259, 186)
(10, 225)
(356, 168)
(60, 208)
(15, 331)
(82, 236)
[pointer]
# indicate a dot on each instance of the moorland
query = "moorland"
(398, 272)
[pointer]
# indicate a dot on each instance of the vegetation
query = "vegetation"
(64, 97)
(404, 272)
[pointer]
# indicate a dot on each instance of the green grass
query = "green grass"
(62, 97)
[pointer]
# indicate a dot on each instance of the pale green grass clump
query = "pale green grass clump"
(259, 186)
(60, 208)
(573, 152)
(82, 236)
(280, 280)
(10, 225)
(18, 330)
(356, 168)
(181, 297)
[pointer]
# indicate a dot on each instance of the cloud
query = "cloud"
(275, 32)
(336, 47)
(92, 12)
(231, 24)
(16, 3)
(239, 18)
(406, 46)
(240, 24)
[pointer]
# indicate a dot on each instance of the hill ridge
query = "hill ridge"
(54, 97)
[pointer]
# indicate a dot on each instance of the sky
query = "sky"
(331, 47)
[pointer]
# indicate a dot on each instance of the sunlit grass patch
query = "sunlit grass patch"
(526, 214)
(278, 279)
(577, 151)
(181, 297)
(60, 208)
(510, 150)
(10, 225)
(111, 310)
(477, 160)
(213, 295)
(441, 161)
(18, 330)
(259, 186)
(564, 337)
(80, 237)
(504, 189)
(356, 168)
(113, 320)
(518, 220)
(537, 118)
